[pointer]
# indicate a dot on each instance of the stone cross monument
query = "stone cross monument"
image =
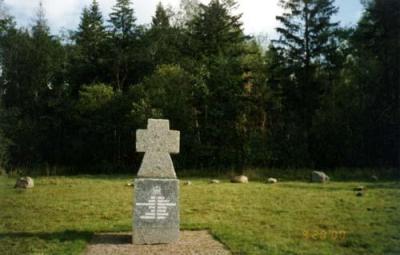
(156, 208)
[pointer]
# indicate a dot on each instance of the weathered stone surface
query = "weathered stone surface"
(156, 213)
(240, 179)
(318, 176)
(157, 142)
(24, 183)
(156, 165)
(157, 137)
(272, 180)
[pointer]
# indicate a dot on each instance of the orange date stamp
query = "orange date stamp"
(321, 235)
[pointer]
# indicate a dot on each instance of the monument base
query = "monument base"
(155, 236)
(156, 211)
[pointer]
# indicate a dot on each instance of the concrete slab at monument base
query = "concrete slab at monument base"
(156, 213)
(189, 243)
(155, 236)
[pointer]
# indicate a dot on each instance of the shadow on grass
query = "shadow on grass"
(391, 185)
(71, 235)
(312, 186)
(327, 186)
(64, 236)
(112, 238)
(101, 177)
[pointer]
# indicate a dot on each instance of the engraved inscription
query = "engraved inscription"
(157, 205)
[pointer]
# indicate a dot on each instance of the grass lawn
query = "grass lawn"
(60, 215)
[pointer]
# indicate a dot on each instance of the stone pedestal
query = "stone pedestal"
(156, 213)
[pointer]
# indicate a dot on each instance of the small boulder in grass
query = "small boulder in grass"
(240, 179)
(130, 184)
(359, 188)
(318, 176)
(272, 180)
(215, 181)
(360, 194)
(24, 183)
(187, 183)
(374, 178)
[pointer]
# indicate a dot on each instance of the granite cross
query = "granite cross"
(156, 203)
(157, 142)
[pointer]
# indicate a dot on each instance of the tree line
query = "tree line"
(320, 95)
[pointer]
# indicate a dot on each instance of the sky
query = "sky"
(258, 15)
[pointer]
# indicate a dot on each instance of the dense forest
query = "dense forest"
(320, 95)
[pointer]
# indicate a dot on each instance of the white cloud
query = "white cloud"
(258, 16)
(59, 13)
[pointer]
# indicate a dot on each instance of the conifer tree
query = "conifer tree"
(91, 32)
(306, 30)
(41, 60)
(123, 44)
(165, 40)
(377, 57)
(305, 41)
(215, 30)
(216, 41)
(161, 17)
(122, 21)
(88, 65)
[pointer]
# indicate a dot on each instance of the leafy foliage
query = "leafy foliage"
(320, 95)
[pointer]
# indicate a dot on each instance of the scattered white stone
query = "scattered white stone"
(318, 176)
(359, 188)
(130, 184)
(187, 183)
(215, 181)
(240, 179)
(272, 180)
(24, 183)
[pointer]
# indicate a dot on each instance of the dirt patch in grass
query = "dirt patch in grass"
(190, 242)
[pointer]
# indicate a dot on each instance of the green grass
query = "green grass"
(60, 215)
